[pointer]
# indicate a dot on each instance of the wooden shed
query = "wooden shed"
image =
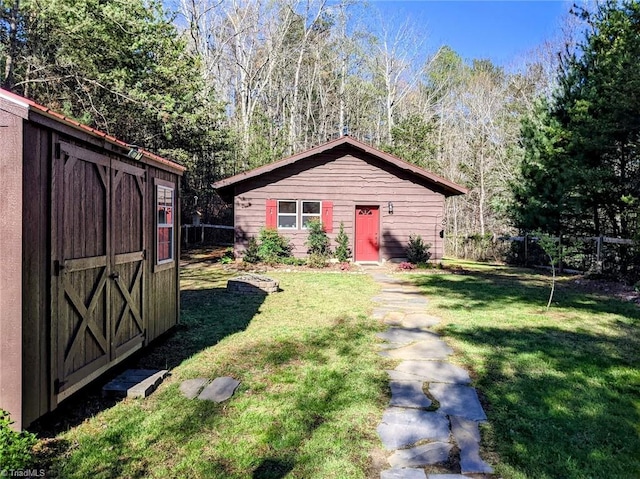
(380, 198)
(89, 254)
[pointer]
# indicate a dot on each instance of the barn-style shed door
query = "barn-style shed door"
(367, 231)
(98, 269)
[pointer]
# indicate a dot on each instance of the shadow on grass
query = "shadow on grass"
(561, 389)
(493, 290)
(203, 439)
(208, 315)
(561, 404)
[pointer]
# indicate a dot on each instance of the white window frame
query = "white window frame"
(304, 215)
(165, 225)
(294, 215)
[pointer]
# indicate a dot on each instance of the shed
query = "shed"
(379, 198)
(88, 254)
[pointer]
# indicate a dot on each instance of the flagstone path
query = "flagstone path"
(432, 407)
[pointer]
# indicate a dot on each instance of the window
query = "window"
(165, 223)
(310, 211)
(287, 214)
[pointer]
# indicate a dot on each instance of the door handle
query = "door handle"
(115, 275)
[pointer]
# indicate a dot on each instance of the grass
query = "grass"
(312, 389)
(561, 388)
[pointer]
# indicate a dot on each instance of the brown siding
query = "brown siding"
(347, 181)
(36, 262)
(11, 169)
(163, 280)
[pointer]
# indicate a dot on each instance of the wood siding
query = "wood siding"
(11, 276)
(348, 179)
(79, 287)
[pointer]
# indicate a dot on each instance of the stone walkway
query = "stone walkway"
(421, 430)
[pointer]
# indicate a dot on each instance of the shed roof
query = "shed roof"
(32, 106)
(450, 188)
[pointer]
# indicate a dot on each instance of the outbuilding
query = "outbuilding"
(380, 199)
(88, 254)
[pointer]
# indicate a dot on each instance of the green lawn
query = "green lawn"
(313, 389)
(561, 388)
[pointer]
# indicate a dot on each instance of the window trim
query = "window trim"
(165, 185)
(294, 215)
(304, 215)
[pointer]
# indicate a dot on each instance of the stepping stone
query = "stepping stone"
(408, 394)
(219, 390)
(458, 400)
(406, 336)
(394, 317)
(402, 376)
(420, 456)
(419, 320)
(402, 427)
(447, 476)
(192, 387)
(435, 371)
(135, 383)
(467, 436)
(397, 473)
(422, 350)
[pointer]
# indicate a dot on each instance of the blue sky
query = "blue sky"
(498, 30)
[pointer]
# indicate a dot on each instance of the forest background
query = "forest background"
(223, 86)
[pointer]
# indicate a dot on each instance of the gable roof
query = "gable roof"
(450, 188)
(31, 106)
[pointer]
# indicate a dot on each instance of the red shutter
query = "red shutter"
(272, 214)
(327, 216)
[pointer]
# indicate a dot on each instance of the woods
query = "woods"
(225, 86)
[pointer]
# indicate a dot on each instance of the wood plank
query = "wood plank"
(80, 264)
(77, 152)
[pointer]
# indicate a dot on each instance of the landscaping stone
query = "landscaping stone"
(447, 476)
(420, 456)
(253, 284)
(435, 371)
(421, 350)
(458, 400)
(406, 473)
(219, 390)
(402, 427)
(135, 383)
(406, 336)
(192, 387)
(402, 376)
(408, 394)
(467, 436)
(419, 321)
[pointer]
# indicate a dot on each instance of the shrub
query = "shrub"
(291, 261)
(316, 260)
(251, 254)
(228, 257)
(318, 242)
(15, 446)
(273, 246)
(343, 252)
(417, 250)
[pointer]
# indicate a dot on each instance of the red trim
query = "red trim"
(32, 105)
(327, 216)
(272, 214)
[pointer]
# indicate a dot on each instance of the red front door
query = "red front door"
(367, 230)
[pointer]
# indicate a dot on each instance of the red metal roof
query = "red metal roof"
(451, 188)
(43, 110)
